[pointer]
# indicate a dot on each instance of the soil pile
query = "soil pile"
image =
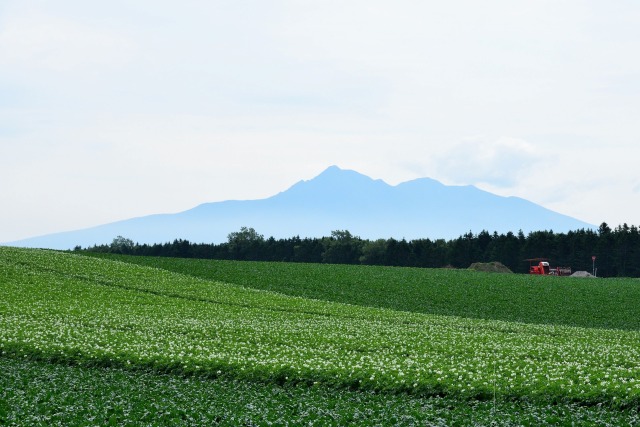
(582, 274)
(490, 267)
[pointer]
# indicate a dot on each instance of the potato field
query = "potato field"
(105, 341)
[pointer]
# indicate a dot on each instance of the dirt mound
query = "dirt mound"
(490, 267)
(582, 274)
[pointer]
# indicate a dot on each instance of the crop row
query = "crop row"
(90, 311)
(602, 303)
(44, 394)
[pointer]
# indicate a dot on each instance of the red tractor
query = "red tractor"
(541, 266)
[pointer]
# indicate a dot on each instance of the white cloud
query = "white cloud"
(117, 109)
(501, 162)
(580, 182)
(33, 41)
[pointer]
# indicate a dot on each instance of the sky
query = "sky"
(119, 109)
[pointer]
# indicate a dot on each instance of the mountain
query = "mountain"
(336, 199)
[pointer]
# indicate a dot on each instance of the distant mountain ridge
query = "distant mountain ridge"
(336, 199)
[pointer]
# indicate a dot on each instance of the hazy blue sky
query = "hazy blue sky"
(116, 109)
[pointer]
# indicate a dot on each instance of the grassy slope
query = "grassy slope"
(591, 303)
(79, 292)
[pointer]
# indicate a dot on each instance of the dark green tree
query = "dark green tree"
(342, 248)
(374, 252)
(245, 244)
(122, 245)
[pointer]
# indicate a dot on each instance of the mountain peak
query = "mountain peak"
(336, 199)
(331, 169)
(335, 181)
(336, 173)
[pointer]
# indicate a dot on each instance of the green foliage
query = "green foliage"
(374, 253)
(96, 316)
(244, 244)
(245, 235)
(122, 245)
(36, 393)
(617, 251)
(603, 303)
(342, 248)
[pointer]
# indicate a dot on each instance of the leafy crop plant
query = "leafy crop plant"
(58, 308)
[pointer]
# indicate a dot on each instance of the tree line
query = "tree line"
(617, 251)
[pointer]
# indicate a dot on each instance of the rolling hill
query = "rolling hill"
(84, 338)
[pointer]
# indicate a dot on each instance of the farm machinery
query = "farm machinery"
(541, 267)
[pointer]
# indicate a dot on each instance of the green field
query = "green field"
(610, 304)
(189, 342)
